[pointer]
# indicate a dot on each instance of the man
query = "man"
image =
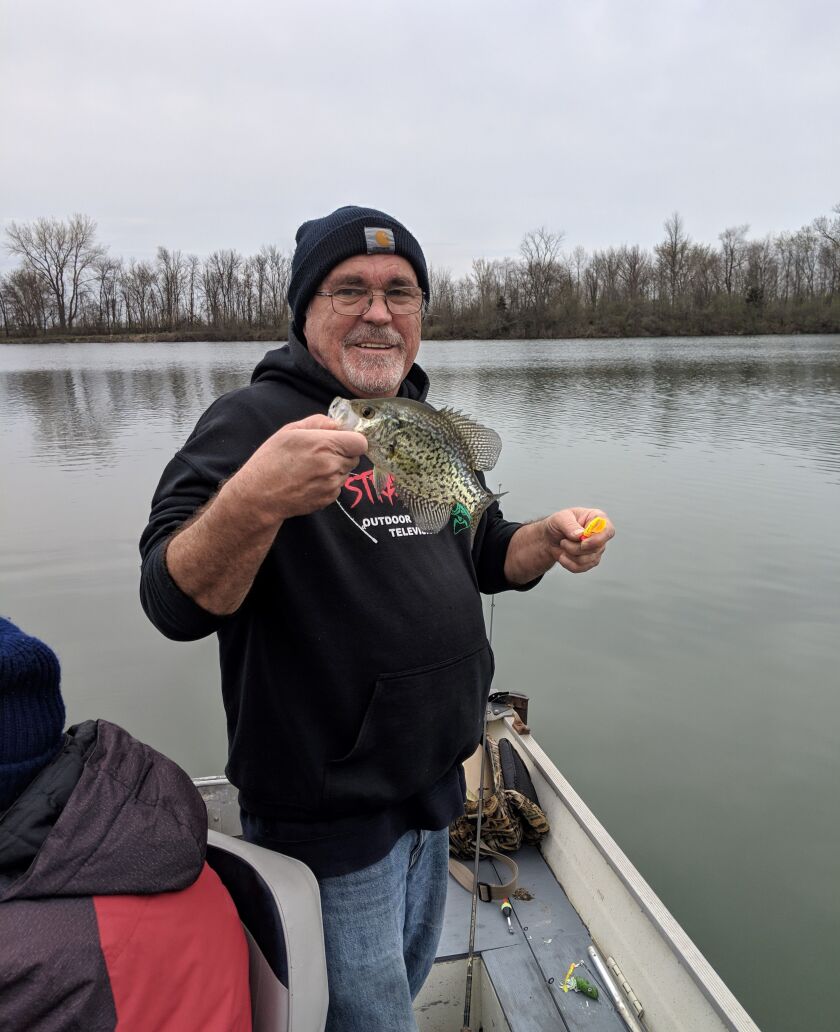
(355, 665)
(106, 904)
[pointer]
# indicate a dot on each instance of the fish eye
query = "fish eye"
(367, 411)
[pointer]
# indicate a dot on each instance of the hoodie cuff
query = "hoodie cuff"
(170, 609)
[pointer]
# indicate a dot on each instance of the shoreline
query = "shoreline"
(272, 336)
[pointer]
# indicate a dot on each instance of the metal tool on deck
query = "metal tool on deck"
(613, 990)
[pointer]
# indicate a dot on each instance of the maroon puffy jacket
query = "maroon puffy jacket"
(109, 916)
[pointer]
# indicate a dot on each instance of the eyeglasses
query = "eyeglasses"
(358, 300)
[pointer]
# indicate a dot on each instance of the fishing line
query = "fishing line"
(470, 952)
(474, 909)
(355, 524)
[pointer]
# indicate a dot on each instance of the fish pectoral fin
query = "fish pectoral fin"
(428, 516)
(483, 445)
(380, 480)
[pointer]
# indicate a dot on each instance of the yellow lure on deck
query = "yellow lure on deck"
(593, 527)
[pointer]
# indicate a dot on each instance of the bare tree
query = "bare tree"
(578, 265)
(26, 302)
(259, 263)
(222, 286)
(672, 256)
(762, 271)
(443, 304)
(138, 286)
(634, 271)
(192, 280)
(61, 252)
(807, 261)
(830, 231)
(171, 274)
(540, 250)
(703, 274)
(733, 244)
(4, 307)
(592, 282)
(608, 263)
(278, 273)
(106, 276)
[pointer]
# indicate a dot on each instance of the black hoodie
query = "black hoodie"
(355, 673)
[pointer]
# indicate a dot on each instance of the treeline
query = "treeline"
(67, 284)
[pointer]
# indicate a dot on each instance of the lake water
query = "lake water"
(688, 687)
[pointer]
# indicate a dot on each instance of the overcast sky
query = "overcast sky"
(202, 125)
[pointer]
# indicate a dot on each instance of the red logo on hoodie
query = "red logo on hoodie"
(360, 485)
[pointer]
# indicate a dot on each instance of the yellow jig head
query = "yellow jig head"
(594, 526)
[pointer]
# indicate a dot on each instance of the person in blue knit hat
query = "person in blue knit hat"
(354, 659)
(106, 902)
(31, 710)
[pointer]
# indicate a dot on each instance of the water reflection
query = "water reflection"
(782, 404)
(78, 414)
(671, 394)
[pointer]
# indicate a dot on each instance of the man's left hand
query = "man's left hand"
(565, 541)
(556, 540)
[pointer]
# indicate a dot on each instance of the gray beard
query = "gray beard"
(373, 373)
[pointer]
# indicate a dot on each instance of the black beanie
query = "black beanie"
(31, 710)
(322, 243)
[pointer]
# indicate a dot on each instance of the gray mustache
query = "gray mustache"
(376, 334)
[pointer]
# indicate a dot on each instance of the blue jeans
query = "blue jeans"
(382, 926)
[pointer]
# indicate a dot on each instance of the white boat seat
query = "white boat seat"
(280, 908)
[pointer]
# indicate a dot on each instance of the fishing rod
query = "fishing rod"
(480, 811)
(474, 913)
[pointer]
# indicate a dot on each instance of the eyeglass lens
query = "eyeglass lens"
(357, 300)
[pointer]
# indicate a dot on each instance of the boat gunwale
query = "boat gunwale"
(701, 972)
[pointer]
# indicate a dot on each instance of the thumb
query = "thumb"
(564, 524)
(314, 422)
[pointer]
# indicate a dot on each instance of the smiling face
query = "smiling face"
(368, 354)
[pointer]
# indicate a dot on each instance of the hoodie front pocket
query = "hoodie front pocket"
(418, 725)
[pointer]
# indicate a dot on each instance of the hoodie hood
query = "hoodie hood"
(294, 363)
(133, 823)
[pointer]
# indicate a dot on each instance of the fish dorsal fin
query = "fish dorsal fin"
(483, 445)
(428, 516)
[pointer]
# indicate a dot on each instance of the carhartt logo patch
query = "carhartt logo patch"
(379, 241)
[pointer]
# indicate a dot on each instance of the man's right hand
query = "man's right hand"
(298, 470)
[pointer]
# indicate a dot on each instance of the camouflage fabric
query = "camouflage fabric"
(509, 818)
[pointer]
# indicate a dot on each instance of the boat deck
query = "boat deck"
(527, 968)
(517, 982)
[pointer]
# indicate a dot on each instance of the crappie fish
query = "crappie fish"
(431, 454)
